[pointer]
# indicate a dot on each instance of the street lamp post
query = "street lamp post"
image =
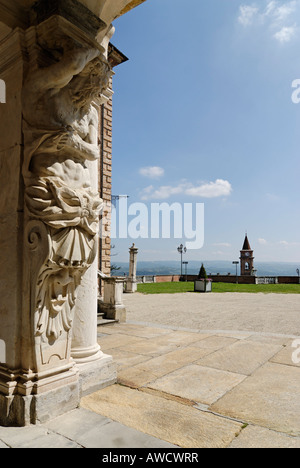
(182, 250)
(298, 273)
(186, 264)
(236, 274)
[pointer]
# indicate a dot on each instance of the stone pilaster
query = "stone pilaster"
(112, 304)
(57, 77)
(131, 283)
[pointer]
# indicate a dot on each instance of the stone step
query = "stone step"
(103, 321)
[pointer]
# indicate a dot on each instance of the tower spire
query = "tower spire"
(246, 257)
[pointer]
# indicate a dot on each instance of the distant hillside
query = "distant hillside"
(212, 267)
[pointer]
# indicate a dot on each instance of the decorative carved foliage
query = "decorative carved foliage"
(61, 135)
(56, 294)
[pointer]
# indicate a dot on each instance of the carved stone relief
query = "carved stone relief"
(61, 208)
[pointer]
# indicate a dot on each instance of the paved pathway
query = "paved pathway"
(269, 313)
(183, 388)
(195, 389)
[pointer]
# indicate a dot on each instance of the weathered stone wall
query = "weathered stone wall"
(105, 183)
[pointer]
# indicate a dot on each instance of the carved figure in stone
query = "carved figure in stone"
(61, 135)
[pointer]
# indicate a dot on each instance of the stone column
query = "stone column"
(96, 370)
(56, 74)
(131, 284)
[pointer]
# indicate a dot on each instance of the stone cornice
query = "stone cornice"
(13, 14)
(56, 26)
(12, 48)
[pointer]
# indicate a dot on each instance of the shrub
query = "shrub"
(202, 273)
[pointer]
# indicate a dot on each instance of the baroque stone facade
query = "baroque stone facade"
(115, 58)
(54, 59)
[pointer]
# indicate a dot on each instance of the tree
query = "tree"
(202, 273)
(114, 267)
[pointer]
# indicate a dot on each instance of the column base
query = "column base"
(130, 287)
(97, 374)
(113, 312)
(18, 410)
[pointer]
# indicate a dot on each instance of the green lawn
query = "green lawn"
(172, 288)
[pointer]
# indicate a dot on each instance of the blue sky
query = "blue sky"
(203, 114)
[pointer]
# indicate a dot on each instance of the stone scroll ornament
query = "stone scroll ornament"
(61, 135)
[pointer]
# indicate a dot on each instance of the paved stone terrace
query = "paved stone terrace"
(268, 313)
(180, 387)
(193, 389)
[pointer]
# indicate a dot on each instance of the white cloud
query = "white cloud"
(289, 244)
(247, 14)
(219, 188)
(262, 241)
(277, 16)
(285, 34)
(153, 172)
(162, 193)
(283, 12)
(270, 8)
(284, 243)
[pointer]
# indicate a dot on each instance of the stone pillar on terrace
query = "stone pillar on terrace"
(57, 75)
(112, 304)
(131, 283)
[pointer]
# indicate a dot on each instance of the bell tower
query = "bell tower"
(246, 258)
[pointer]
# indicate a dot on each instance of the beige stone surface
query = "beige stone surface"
(269, 339)
(198, 384)
(149, 348)
(262, 313)
(286, 356)
(151, 369)
(214, 343)
(242, 357)
(180, 338)
(238, 335)
(269, 398)
(136, 330)
(125, 360)
(117, 341)
(173, 422)
(259, 437)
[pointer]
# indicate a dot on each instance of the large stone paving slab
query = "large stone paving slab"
(287, 356)
(180, 338)
(198, 384)
(34, 437)
(243, 357)
(117, 341)
(149, 348)
(92, 430)
(125, 360)
(176, 423)
(270, 339)
(269, 398)
(214, 343)
(259, 437)
(151, 369)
